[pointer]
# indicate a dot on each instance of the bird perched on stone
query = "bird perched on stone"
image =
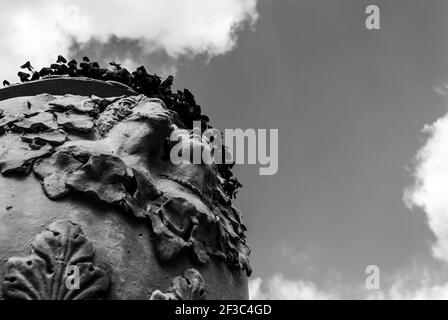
(86, 59)
(84, 66)
(55, 66)
(24, 77)
(73, 63)
(204, 118)
(117, 66)
(165, 87)
(45, 72)
(168, 82)
(72, 70)
(35, 76)
(189, 97)
(59, 69)
(141, 71)
(119, 75)
(97, 73)
(143, 81)
(61, 59)
(6, 83)
(91, 70)
(64, 70)
(27, 66)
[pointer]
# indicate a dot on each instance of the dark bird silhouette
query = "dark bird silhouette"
(168, 82)
(84, 65)
(117, 66)
(6, 83)
(45, 72)
(35, 76)
(24, 77)
(86, 59)
(97, 73)
(121, 75)
(141, 71)
(204, 118)
(72, 63)
(27, 66)
(63, 70)
(61, 59)
(72, 70)
(55, 66)
(189, 97)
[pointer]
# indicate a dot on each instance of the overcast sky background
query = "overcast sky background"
(350, 105)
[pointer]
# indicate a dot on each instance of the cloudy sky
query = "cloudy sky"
(363, 127)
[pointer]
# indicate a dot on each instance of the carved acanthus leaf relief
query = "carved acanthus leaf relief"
(189, 286)
(44, 275)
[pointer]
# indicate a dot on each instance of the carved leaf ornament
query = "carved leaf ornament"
(47, 274)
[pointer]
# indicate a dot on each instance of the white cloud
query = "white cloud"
(430, 191)
(421, 287)
(400, 291)
(40, 30)
(280, 288)
(422, 280)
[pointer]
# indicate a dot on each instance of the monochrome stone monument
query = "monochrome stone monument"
(89, 196)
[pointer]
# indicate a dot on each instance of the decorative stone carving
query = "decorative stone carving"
(52, 137)
(115, 170)
(75, 121)
(43, 274)
(17, 157)
(105, 162)
(183, 103)
(189, 286)
(36, 123)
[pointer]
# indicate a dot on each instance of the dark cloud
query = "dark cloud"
(130, 52)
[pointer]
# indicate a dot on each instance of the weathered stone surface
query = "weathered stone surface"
(72, 102)
(149, 217)
(74, 121)
(52, 137)
(40, 122)
(116, 112)
(59, 86)
(54, 173)
(17, 157)
(178, 227)
(101, 177)
(44, 274)
(189, 286)
(7, 120)
(177, 224)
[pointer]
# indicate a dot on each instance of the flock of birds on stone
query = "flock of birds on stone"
(151, 85)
